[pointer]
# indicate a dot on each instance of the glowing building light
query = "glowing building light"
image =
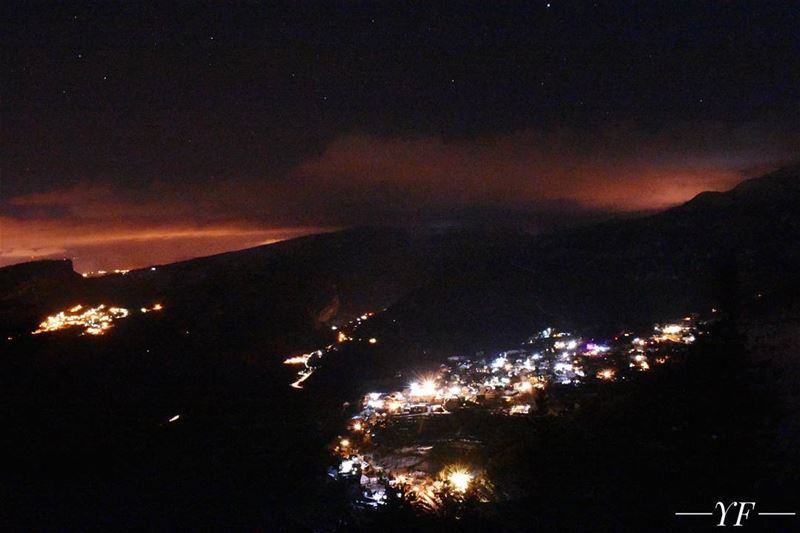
(571, 345)
(297, 360)
(373, 340)
(426, 388)
(525, 386)
(606, 374)
(347, 466)
(460, 480)
(375, 400)
(500, 362)
(520, 409)
(563, 367)
(595, 349)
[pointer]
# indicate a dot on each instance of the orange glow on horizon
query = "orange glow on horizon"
(95, 249)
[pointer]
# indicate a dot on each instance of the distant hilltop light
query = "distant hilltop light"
(101, 273)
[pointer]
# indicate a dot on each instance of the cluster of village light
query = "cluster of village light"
(93, 320)
(507, 384)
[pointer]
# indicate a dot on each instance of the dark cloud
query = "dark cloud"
(530, 178)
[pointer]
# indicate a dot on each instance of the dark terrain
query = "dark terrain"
(86, 418)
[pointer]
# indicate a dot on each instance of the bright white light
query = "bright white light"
(460, 480)
(500, 362)
(426, 388)
(346, 467)
(375, 404)
(174, 418)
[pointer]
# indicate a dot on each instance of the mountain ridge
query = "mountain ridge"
(682, 252)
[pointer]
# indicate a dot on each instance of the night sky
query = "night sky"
(136, 135)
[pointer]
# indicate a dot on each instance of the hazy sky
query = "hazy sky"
(137, 135)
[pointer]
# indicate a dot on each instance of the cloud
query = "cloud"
(621, 168)
(543, 177)
(95, 246)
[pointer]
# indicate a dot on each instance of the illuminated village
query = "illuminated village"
(399, 443)
(93, 320)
